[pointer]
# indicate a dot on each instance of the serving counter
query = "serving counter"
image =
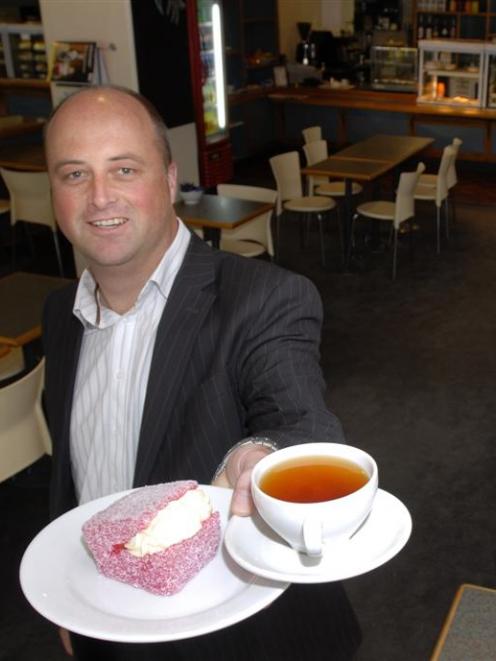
(349, 115)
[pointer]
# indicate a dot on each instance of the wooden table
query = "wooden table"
(22, 296)
(468, 633)
(366, 161)
(213, 213)
(28, 157)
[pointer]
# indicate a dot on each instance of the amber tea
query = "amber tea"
(313, 479)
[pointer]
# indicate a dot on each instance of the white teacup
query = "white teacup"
(309, 527)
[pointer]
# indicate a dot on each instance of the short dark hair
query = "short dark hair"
(155, 117)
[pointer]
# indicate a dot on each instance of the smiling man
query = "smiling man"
(169, 360)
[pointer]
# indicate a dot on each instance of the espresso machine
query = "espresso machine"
(303, 49)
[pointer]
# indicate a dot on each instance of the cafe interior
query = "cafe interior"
(351, 141)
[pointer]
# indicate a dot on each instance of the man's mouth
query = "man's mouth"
(108, 222)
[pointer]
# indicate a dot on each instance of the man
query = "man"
(172, 361)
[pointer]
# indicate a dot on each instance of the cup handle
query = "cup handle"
(312, 537)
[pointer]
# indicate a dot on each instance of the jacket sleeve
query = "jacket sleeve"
(279, 375)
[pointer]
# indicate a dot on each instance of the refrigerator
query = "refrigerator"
(208, 78)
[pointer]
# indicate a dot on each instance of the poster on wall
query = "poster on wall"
(73, 61)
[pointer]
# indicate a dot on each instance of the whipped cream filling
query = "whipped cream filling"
(179, 520)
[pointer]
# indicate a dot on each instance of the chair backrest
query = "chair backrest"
(258, 229)
(286, 171)
(315, 152)
(24, 436)
(404, 207)
(452, 178)
(312, 133)
(30, 198)
(442, 187)
(11, 361)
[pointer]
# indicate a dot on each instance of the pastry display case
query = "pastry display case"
(490, 90)
(451, 73)
(23, 51)
(393, 68)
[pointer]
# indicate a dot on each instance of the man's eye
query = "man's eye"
(72, 176)
(124, 170)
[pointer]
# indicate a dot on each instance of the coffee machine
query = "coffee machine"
(303, 49)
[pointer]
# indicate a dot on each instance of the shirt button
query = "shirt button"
(119, 375)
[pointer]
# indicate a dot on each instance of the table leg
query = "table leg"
(212, 234)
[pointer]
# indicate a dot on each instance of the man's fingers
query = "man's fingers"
(241, 502)
(66, 641)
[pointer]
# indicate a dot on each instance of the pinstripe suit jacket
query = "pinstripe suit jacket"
(236, 353)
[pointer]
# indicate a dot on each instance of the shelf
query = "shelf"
(25, 82)
(452, 74)
(267, 19)
(262, 65)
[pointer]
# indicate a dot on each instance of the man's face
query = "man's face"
(112, 194)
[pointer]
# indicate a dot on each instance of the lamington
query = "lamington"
(156, 538)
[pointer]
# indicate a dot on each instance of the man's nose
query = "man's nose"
(102, 193)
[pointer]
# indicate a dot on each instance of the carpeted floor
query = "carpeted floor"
(411, 371)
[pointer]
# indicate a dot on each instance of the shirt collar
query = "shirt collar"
(88, 307)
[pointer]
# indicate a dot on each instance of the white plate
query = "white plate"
(61, 581)
(258, 549)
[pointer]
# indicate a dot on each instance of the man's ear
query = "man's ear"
(172, 180)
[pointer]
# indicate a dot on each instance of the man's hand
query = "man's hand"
(66, 641)
(237, 474)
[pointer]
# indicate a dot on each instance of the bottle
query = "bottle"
(428, 29)
(420, 27)
(435, 28)
(444, 30)
(452, 32)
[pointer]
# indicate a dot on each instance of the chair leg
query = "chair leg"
(351, 243)
(340, 231)
(446, 212)
(13, 246)
(57, 250)
(322, 244)
(438, 228)
(278, 236)
(303, 220)
(395, 250)
(453, 214)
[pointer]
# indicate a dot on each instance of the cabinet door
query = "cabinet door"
(162, 59)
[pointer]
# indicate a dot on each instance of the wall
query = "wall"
(93, 20)
(334, 15)
(110, 22)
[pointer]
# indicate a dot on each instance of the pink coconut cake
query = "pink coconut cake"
(165, 572)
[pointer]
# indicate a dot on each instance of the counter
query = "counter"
(352, 114)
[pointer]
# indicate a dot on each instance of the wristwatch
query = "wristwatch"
(261, 441)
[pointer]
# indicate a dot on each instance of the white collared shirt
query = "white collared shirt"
(112, 378)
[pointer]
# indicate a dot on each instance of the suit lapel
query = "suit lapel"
(188, 304)
(63, 376)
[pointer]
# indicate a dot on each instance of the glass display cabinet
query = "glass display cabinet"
(451, 73)
(393, 68)
(490, 91)
(22, 51)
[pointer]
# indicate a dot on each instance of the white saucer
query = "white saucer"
(259, 550)
(61, 581)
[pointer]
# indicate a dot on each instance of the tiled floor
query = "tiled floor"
(411, 370)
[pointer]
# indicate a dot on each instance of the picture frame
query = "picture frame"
(73, 61)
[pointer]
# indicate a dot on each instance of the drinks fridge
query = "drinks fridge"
(206, 49)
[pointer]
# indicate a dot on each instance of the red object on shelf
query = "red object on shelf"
(214, 146)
